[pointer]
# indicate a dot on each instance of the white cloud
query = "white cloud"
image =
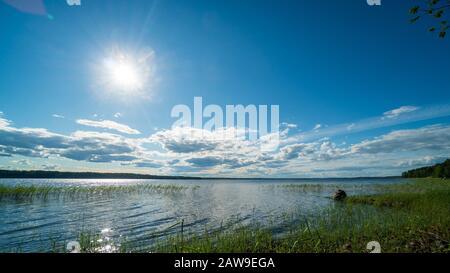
(430, 138)
(422, 113)
(49, 167)
(285, 128)
(190, 151)
(421, 161)
(199, 150)
(296, 150)
(314, 151)
(81, 146)
(288, 125)
(4, 122)
(109, 124)
(399, 111)
(58, 116)
(23, 162)
(317, 127)
(213, 161)
(149, 164)
(186, 140)
(435, 138)
(118, 115)
(192, 140)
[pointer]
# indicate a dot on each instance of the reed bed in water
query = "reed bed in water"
(325, 187)
(46, 191)
(411, 217)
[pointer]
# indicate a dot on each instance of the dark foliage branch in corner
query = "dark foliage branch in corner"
(436, 9)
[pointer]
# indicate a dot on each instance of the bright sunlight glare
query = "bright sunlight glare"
(125, 75)
(121, 73)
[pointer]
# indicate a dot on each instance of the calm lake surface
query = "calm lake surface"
(38, 224)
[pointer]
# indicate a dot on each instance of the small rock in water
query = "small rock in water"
(339, 195)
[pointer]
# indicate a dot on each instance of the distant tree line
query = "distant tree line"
(82, 175)
(441, 170)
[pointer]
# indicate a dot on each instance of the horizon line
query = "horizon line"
(165, 177)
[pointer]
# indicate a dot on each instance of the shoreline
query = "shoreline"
(407, 218)
(404, 217)
(39, 174)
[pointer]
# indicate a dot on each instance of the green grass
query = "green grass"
(406, 217)
(413, 217)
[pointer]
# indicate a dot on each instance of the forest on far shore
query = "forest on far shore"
(441, 170)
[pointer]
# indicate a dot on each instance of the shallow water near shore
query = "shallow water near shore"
(142, 217)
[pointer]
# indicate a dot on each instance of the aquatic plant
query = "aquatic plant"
(412, 217)
(21, 192)
(408, 217)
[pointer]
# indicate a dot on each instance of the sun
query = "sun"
(125, 75)
(122, 73)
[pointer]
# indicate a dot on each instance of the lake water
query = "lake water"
(37, 224)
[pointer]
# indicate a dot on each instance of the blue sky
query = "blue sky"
(327, 63)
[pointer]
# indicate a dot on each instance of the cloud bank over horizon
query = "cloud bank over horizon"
(191, 151)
